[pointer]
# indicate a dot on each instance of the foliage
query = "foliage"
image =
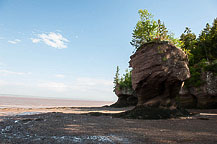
(162, 32)
(213, 40)
(147, 30)
(196, 72)
(203, 47)
(124, 81)
(189, 42)
(201, 51)
(212, 68)
(116, 78)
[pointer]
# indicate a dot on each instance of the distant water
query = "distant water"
(23, 102)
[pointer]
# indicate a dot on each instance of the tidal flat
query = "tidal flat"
(75, 125)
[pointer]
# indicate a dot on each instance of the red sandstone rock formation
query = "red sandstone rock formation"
(158, 72)
(126, 97)
(204, 96)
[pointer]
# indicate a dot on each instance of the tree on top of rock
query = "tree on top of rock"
(147, 30)
(162, 32)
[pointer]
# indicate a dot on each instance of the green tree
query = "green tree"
(213, 40)
(207, 42)
(162, 32)
(202, 52)
(203, 47)
(124, 81)
(189, 44)
(188, 39)
(116, 78)
(145, 29)
(204, 43)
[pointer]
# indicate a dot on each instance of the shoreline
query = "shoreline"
(42, 97)
(26, 102)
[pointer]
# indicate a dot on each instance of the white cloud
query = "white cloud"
(52, 39)
(92, 84)
(14, 41)
(93, 81)
(55, 86)
(59, 75)
(35, 40)
(8, 72)
(80, 84)
(7, 83)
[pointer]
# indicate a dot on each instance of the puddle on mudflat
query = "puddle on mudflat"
(28, 113)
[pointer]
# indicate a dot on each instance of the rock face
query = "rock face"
(158, 72)
(204, 96)
(126, 97)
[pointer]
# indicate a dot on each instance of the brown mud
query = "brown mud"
(70, 125)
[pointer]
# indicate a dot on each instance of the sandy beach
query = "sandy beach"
(74, 125)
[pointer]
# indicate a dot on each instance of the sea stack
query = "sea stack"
(158, 72)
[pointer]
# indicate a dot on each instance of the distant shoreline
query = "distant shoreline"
(33, 102)
(44, 97)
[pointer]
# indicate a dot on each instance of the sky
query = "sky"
(70, 48)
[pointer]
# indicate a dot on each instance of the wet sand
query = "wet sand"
(69, 125)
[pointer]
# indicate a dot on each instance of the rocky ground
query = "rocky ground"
(70, 125)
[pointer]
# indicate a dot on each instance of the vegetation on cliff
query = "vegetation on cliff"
(123, 81)
(201, 51)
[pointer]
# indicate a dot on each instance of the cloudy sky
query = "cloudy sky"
(70, 48)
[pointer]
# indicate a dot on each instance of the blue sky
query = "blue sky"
(70, 49)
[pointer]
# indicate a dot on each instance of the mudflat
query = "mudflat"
(74, 125)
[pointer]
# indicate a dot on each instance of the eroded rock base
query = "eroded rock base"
(143, 112)
(125, 101)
